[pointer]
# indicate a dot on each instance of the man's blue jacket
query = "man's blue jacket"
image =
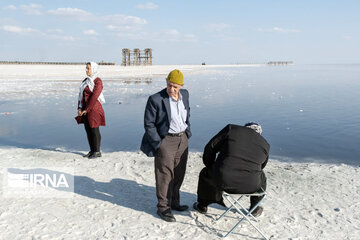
(157, 120)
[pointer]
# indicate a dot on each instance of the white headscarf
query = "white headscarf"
(90, 82)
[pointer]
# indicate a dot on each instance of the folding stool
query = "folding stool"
(234, 200)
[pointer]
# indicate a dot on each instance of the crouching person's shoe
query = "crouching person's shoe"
(95, 155)
(198, 207)
(166, 215)
(257, 211)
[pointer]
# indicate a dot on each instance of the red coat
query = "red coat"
(95, 111)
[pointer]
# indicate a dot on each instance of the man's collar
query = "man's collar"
(179, 98)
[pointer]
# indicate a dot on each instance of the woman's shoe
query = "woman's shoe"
(88, 154)
(95, 155)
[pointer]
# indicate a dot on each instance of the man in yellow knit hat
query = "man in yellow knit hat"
(167, 130)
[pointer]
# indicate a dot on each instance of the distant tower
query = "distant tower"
(148, 56)
(125, 57)
(136, 56)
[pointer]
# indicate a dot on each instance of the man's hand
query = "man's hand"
(83, 112)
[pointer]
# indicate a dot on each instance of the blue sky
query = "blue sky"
(181, 32)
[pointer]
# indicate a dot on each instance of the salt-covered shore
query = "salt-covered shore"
(115, 199)
(72, 72)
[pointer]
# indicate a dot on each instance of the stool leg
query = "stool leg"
(246, 211)
(245, 216)
(232, 205)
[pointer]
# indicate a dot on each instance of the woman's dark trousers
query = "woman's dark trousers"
(93, 136)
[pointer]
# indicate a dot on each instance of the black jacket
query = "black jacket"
(243, 153)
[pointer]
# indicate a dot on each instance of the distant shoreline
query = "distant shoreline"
(53, 63)
(273, 63)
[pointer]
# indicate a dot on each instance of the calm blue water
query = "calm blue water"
(308, 112)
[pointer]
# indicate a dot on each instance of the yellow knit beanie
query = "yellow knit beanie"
(175, 76)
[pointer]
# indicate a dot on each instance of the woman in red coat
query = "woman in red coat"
(90, 108)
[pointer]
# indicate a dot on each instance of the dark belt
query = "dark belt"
(176, 134)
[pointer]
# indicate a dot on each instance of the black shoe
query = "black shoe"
(180, 208)
(166, 215)
(199, 208)
(88, 154)
(95, 155)
(257, 211)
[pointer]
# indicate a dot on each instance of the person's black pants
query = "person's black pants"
(210, 190)
(254, 199)
(93, 135)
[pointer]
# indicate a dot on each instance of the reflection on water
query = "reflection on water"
(308, 113)
(138, 81)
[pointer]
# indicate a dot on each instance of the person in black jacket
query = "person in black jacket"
(242, 155)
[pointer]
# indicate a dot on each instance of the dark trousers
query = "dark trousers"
(93, 135)
(210, 189)
(170, 167)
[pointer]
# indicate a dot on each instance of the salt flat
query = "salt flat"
(115, 199)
